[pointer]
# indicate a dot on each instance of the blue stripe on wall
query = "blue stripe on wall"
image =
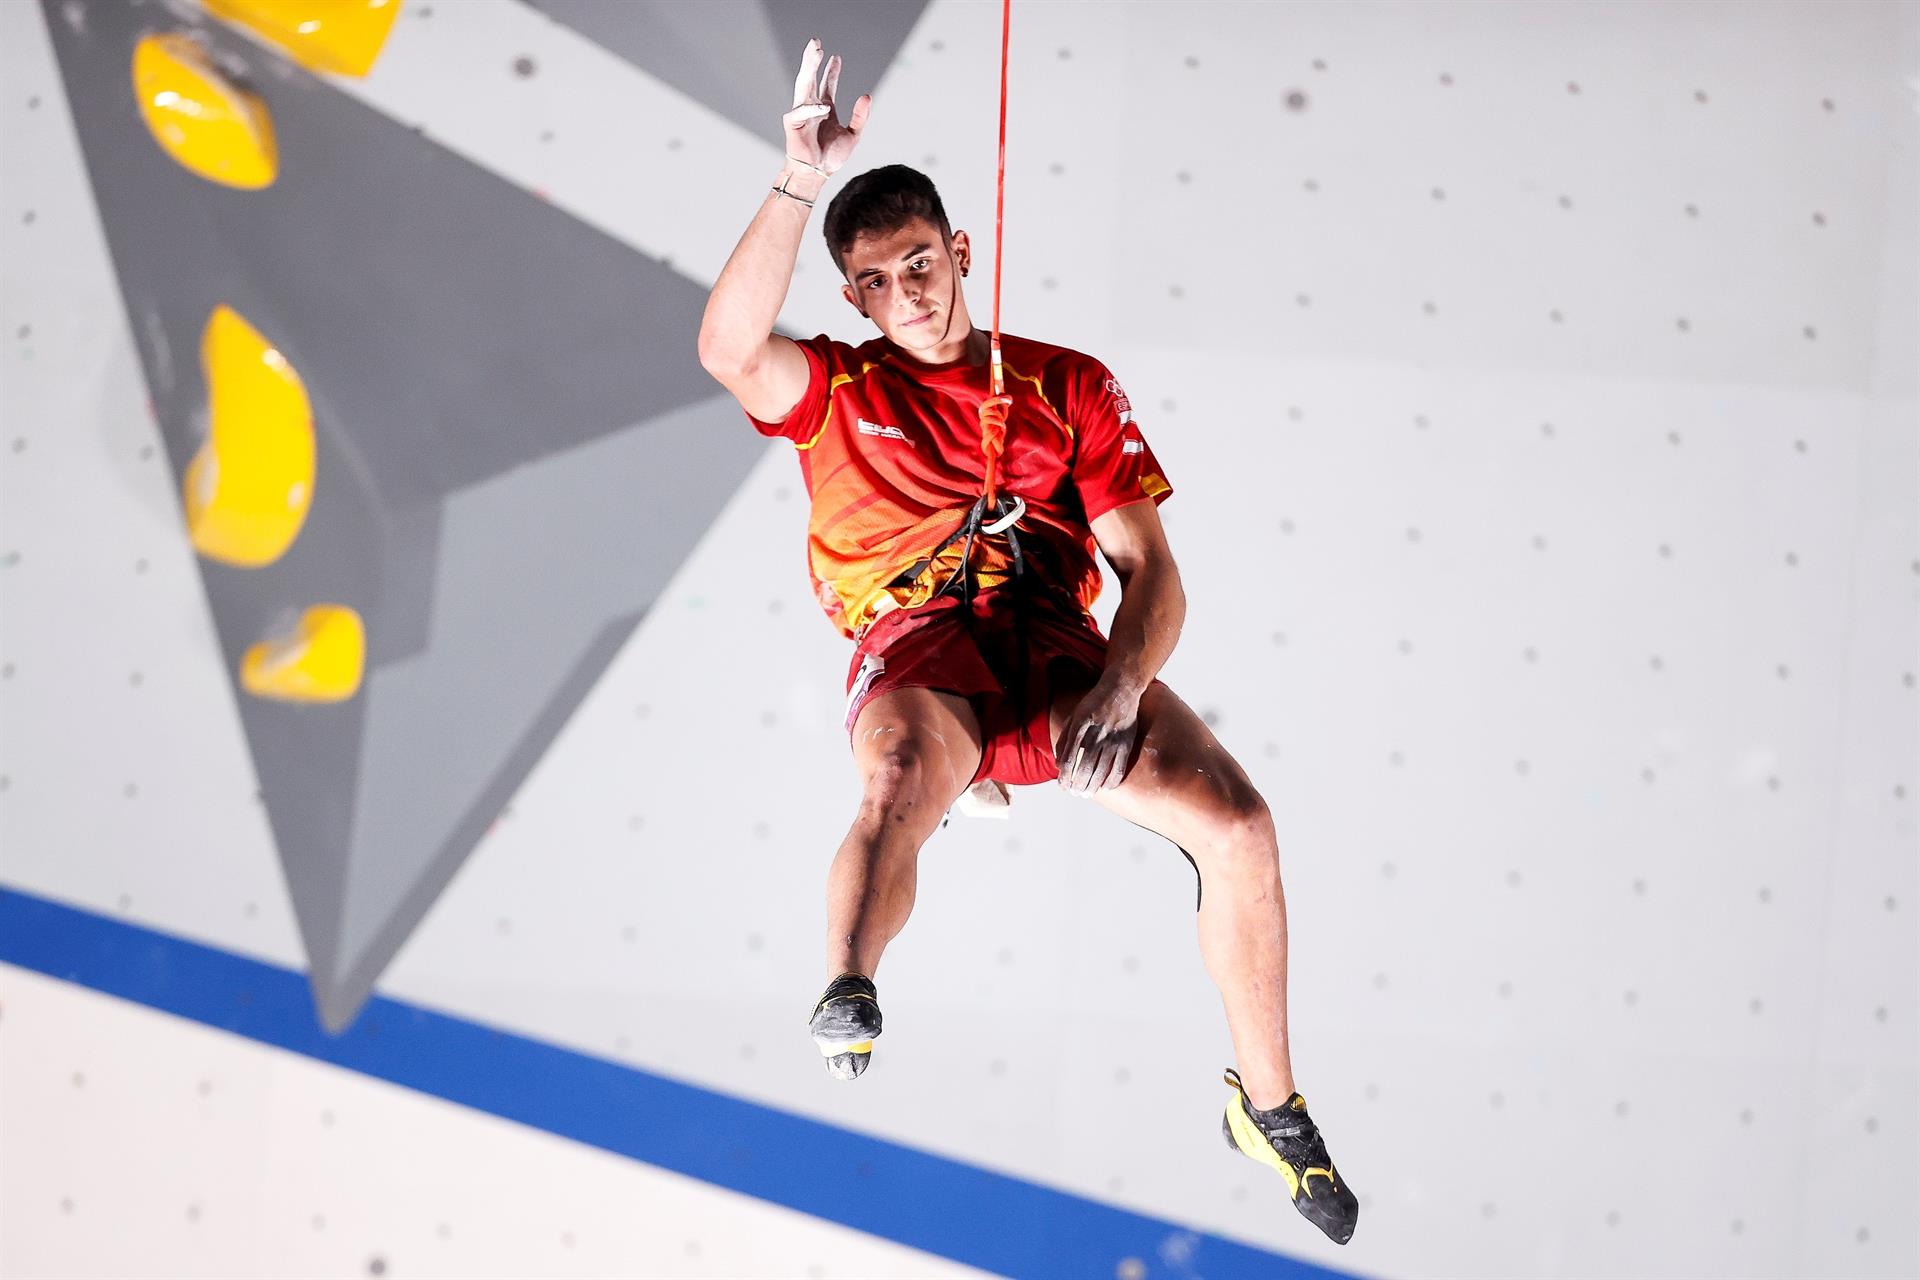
(975, 1216)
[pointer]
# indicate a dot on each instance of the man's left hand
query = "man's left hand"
(1096, 743)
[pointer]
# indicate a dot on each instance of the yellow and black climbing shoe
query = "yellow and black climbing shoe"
(844, 1024)
(1287, 1139)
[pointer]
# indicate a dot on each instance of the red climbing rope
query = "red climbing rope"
(992, 441)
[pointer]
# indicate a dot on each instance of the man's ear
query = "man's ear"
(846, 291)
(962, 250)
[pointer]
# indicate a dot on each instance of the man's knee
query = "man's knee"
(912, 754)
(902, 767)
(1237, 828)
(1248, 822)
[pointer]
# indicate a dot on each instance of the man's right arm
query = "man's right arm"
(766, 373)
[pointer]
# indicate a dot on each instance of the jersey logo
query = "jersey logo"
(1121, 405)
(1132, 446)
(882, 430)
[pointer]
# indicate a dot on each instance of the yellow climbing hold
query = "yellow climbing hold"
(340, 36)
(247, 491)
(320, 660)
(208, 124)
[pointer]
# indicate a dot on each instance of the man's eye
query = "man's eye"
(920, 262)
(874, 283)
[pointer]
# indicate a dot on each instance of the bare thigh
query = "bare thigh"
(916, 745)
(1180, 782)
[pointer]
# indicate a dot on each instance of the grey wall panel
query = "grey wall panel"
(455, 334)
(739, 57)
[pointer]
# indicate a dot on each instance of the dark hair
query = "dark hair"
(883, 199)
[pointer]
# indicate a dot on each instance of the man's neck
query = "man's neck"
(974, 349)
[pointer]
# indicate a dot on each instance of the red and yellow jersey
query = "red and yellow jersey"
(889, 449)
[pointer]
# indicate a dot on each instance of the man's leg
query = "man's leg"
(1182, 784)
(916, 750)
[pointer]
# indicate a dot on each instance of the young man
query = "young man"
(976, 657)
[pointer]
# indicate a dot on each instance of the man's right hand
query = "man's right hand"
(813, 135)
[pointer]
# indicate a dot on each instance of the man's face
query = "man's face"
(907, 282)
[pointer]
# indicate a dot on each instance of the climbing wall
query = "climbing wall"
(1539, 387)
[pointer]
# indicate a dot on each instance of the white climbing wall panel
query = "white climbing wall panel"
(1539, 385)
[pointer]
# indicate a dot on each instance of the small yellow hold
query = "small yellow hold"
(339, 36)
(321, 660)
(247, 491)
(209, 125)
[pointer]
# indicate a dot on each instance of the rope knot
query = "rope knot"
(993, 438)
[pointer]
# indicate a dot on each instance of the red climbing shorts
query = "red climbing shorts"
(931, 647)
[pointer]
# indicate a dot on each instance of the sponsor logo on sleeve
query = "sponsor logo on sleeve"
(1121, 405)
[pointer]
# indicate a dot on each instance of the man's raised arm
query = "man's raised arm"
(765, 372)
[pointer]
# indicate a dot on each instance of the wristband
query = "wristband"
(781, 190)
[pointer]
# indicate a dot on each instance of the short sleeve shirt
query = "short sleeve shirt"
(889, 450)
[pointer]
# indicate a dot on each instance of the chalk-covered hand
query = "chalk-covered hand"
(1096, 743)
(814, 136)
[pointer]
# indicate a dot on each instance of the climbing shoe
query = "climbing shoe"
(1286, 1138)
(844, 1024)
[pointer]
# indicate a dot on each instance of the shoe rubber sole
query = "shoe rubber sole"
(843, 1030)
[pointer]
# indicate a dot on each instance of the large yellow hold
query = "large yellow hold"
(339, 36)
(247, 491)
(321, 660)
(209, 125)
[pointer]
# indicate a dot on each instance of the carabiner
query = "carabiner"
(1005, 522)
